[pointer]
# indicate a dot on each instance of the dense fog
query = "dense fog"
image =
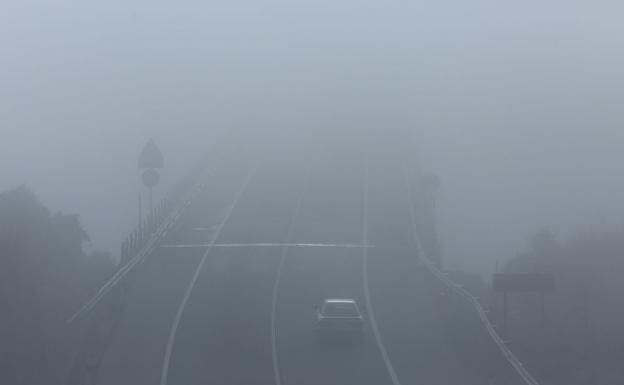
(379, 158)
(517, 107)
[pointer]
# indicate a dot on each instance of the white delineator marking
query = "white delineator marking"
(367, 296)
(176, 321)
(257, 245)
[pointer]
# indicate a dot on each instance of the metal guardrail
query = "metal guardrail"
(474, 301)
(141, 234)
(143, 238)
(95, 322)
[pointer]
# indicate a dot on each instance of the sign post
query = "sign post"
(151, 178)
(150, 161)
(523, 283)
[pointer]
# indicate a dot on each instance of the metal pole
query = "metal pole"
(151, 202)
(543, 309)
(140, 211)
(505, 314)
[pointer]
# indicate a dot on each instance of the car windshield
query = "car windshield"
(340, 309)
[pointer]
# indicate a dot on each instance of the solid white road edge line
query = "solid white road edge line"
(367, 296)
(189, 289)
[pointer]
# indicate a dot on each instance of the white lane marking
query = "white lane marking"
(474, 301)
(278, 278)
(123, 271)
(189, 289)
(367, 296)
(211, 228)
(226, 245)
(142, 254)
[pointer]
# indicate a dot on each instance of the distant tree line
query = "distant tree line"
(582, 340)
(45, 274)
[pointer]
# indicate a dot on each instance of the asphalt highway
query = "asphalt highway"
(229, 295)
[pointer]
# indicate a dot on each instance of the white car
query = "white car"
(339, 317)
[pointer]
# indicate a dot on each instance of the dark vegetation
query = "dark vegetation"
(581, 338)
(45, 275)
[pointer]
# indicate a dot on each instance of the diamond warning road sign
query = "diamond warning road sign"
(150, 156)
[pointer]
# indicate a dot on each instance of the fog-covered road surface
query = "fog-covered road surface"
(223, 300)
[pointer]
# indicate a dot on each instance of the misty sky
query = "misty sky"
(517, 106)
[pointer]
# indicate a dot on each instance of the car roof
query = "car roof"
(340, 300)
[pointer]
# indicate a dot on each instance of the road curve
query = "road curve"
(229, 296)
